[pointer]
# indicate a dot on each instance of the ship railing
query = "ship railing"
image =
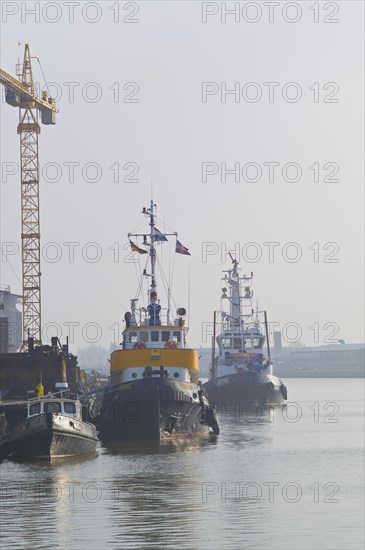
(163, 317)
(246, 321)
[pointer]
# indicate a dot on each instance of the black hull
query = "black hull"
(51, 444)
(51, 436)
(245, 389)
(3, 436)
(151, 410)
(4, 449)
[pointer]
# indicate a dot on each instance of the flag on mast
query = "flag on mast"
(180, 249)
(158, 235)
(135, 248)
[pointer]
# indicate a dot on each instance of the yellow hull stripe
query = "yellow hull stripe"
(129, 358)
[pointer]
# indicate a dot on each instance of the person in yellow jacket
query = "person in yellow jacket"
(40, 390)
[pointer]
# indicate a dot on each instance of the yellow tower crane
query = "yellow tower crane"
(20, 92)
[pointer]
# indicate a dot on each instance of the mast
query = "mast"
(151, 212)
(235, 309)
(267, 337)
(154, 236)
(213, 365)
(240, 297)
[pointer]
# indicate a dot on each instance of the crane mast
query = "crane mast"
(21, 93)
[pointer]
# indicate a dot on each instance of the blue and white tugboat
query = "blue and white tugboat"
(241, 373)
(155, 392)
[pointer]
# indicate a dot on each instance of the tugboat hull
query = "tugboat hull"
(246, 388)
(152, 410)
(3, 436)
(47, 437)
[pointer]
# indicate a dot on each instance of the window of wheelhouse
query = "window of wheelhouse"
(176, 336)
(35, 408)
(70, 408)
(226, 343)
(133, 337)
(155, 336)
(252, 343)
(165, 335)
(143, 337)
(52, 407)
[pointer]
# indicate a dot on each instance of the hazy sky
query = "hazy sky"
(142, 90)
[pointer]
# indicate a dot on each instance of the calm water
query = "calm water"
(282, 481)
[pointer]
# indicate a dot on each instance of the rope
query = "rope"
(44, 77)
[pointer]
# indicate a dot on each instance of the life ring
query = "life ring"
(139, 345)
(171, 345)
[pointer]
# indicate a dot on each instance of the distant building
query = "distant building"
(277, 341)
(334, 360)
(10, 321)
(93, 358)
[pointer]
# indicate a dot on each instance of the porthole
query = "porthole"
(134, 375)
(176, 374)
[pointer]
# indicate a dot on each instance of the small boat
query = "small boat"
(241, 373)
(53, 428)
(155, 391)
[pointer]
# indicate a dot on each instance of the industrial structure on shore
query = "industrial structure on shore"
(24, 360)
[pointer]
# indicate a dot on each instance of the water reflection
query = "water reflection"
(55, 461)
(165, 446)
(250, 428)
(194, 493)
(161, 497)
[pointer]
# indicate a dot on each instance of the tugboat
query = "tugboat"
(155, 392)
(53, 428)
(241, 373)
